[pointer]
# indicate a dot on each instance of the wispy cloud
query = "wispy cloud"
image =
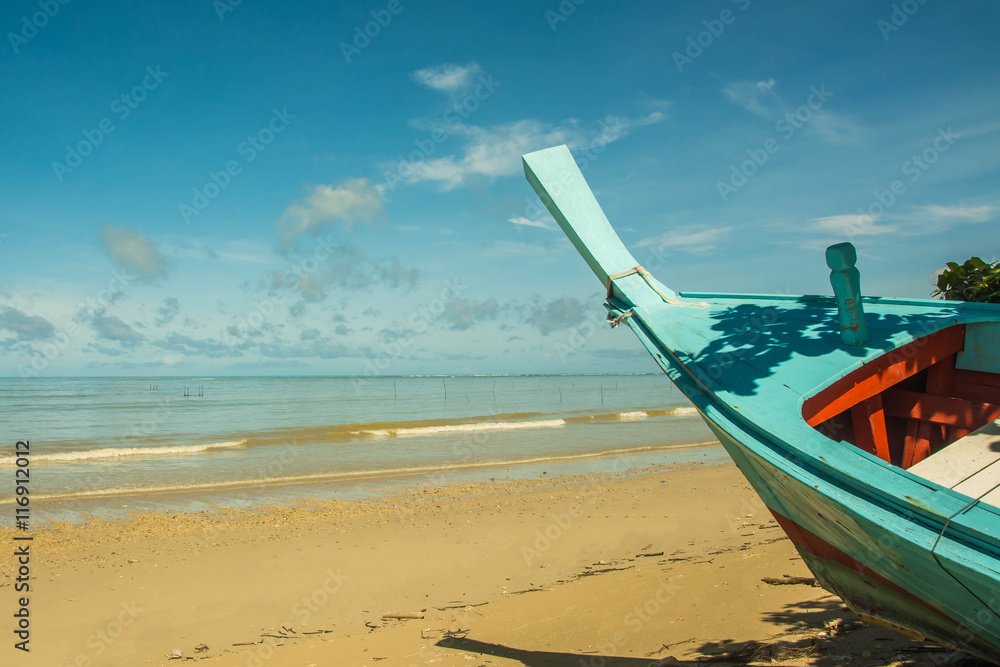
(560, 313)
(527, 222)
(25, 327)
(693, 239)
(810, 113)
(133, 250)
(496, 151)
(351, 201)
(448, 77)
(851, 224)
(758, 97)
(934, 217)
(917, 221)
(168, 311)
(113, 328)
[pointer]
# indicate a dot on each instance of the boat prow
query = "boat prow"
(865, 424)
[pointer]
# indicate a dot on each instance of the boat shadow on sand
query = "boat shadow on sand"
(822, 633)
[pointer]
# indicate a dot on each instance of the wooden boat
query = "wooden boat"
(866, 425)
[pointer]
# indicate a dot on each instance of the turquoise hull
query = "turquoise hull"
(899, 549)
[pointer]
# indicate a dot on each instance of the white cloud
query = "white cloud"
(851, 224)
(526, 222)
(448, 77)
(756, 97)
(934, 217)
(496, 151)
(353, 200)
(918, 221)
(762, 99)
(691, 239)
(133, 249)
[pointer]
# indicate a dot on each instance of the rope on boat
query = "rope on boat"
(615, 321)
(648, 278)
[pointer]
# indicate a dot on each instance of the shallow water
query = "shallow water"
(110, 437)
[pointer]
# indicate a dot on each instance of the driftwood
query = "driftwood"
(403, 614)
(790, 581)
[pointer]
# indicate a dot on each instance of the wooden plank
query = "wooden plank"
(938, 409)
(869, 427)
(941, 376)
(916, 444)
(961, 460)
(981, 483)
(879, 374)
(977, 377)
(979, 393)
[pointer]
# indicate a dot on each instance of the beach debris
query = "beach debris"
(373, 626)
(403, 615)
(665, 662)
(754, 651)
(176, 654)
(656, 553)
(589, 572)
(528, 590)
(201, 648)
(667, 647)
(455, 630)
(789, 580)
(462, 606)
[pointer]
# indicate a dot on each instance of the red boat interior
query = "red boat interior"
(914, 402)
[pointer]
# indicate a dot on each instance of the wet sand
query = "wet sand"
(591, 570)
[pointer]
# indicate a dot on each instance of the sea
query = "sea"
(108, 446)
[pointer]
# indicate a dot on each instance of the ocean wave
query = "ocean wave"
(114, 453)
(461, 428)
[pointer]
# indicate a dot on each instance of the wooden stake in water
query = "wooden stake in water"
(560, 394)
(445, 385)
(602, 395)
(394, 390)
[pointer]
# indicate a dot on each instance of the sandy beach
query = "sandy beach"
(566, 571)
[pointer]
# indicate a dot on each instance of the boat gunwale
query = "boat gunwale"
(942, 509)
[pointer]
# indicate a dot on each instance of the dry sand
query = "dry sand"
(570, 572)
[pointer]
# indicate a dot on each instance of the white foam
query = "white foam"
(636, 414)
(113, 453)
(460, 428)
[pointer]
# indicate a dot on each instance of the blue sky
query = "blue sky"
(200, 187)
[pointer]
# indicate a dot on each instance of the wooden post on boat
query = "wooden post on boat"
(846, 281)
